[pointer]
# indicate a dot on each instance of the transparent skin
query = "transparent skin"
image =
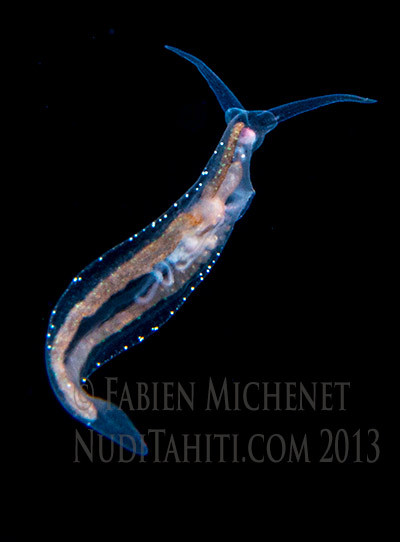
(130, 291)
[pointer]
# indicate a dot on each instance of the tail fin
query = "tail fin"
(225, 97)
(116, 425)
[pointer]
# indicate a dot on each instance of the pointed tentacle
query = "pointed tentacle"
(287, 111)
(225, 97)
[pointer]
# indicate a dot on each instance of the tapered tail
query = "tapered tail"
(225, 97)
(113, 423)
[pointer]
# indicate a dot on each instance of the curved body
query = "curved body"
(134, 288)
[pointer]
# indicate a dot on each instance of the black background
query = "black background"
(117, 128)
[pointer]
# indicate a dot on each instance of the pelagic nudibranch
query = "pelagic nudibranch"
(130, 291)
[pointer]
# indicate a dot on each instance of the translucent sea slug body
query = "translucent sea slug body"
(134, 288)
